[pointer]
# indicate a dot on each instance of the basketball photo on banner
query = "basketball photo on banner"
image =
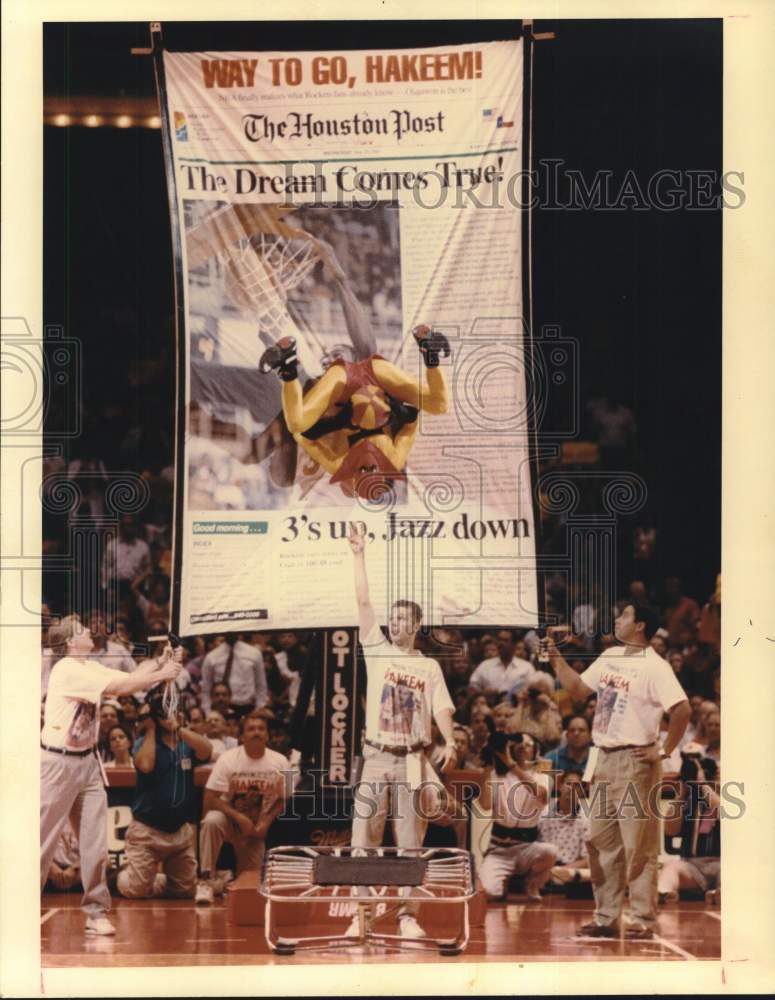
(327, 283)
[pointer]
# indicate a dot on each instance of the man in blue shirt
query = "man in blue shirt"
(164, 808)
(573, 755)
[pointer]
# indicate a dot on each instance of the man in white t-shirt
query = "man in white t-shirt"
(634, 687)
(246, 790)
(403, 690)
(71, 781)
(504, 674)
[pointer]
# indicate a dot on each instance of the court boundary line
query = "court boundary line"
(675, 948)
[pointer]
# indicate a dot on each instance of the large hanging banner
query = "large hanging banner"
(352, 353)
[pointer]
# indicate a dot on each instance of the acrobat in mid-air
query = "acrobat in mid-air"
(359, 420)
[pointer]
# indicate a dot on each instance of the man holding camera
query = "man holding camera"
(634, 687)
(699, 864)
(164, 808)
(517, 795)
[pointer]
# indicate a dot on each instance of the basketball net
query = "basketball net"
(260, 271)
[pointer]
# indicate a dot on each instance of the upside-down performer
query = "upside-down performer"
(359, 420)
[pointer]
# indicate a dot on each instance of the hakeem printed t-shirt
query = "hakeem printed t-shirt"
(251, 785)
(74, 691)
(633, 693)
(403, 690)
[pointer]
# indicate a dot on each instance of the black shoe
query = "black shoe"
(637, 933)
(594, 930)
(281, 356)
(431, 344)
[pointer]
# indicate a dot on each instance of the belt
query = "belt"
(514, 834)
(626, 746)
(67, 753)
(396, 751)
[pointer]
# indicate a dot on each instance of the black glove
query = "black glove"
(431, 344)
(281, 356)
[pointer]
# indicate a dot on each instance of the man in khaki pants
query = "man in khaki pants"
(162, 830)
(634, 687)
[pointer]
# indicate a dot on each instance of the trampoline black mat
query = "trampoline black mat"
(368, 871)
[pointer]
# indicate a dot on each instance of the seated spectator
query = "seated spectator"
(122, 635)
(696, 675)
(196, 720)
(164, 806)
(65, 871)
(709, 629)
(482, 728)
(473, 702)
(713, 736)
(681, 613)
(216, 734)
(220, 699)
(156, 606)
(457, 670)
(589, 708)
(675, 658)
(568, 830)
(699, 866)
(459, 696)
(536, 712)
(279, 738)
(244, 794)
(504, 675)
(127, 713)
(659, 644)
(462, 736)
(690, 733)
(231, 728)
(502, 717)
(517, 795)
(108, 719)
(108, 652)
(572, 757)
(706, 709)
(119, 747)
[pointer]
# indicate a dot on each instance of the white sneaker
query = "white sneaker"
(409, 928)
(99, 925)
(204, 895)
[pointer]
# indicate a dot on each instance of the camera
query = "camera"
(155, 702)
(497, 744)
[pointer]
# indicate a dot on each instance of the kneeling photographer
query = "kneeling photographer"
(517, 794)
(164, 807)
(699, 864)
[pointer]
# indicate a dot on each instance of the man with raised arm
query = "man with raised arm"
(71, 781)
(404, 689)
(634, 687)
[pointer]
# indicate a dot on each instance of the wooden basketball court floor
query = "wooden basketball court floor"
(156, 933)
